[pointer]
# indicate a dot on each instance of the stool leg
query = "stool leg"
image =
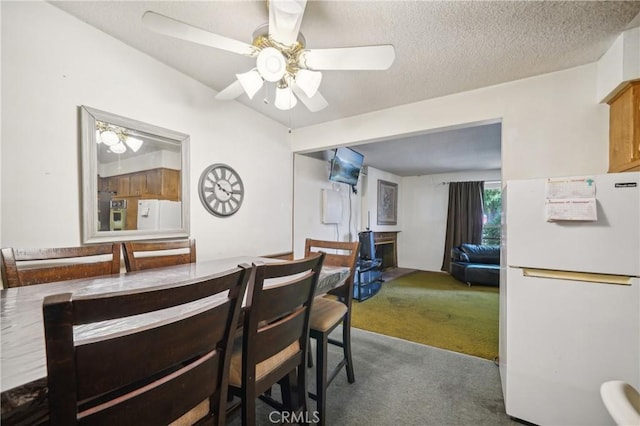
(248, 409)
(321, 376)
(289, 388)
(309, 355)
(346, 346)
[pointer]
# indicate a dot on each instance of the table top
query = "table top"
(23, 357)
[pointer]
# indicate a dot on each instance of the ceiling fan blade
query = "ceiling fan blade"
(171, 27)
(230, 92)
(349, 58)
(285, 17)
(315, 103)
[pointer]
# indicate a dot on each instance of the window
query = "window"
(492, 203)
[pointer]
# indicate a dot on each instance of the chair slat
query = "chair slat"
(127, 303)
(65, 272)
(37, 266)
(181, 391)
(284, 298)
(62, 252)
(135, 260)
(145, 353)
(275, 337)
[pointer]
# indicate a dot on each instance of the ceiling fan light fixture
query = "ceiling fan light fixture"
(118, 148)
(284, 98)
(271, 64)
(251, 82)
(308, 81)
(133, 143)
(109, 138)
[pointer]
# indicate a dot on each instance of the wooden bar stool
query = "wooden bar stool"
(273, 345)
(170, 368)
(327, 314)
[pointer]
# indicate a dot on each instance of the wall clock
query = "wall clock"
(221, 190)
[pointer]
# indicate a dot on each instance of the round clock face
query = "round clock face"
(221, 190)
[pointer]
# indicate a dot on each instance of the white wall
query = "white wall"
(311, 177)
(52, 63)
(619, 64)
(423, 206)
(552, 125)
(0, 127)
(370, 200)
(152, 160)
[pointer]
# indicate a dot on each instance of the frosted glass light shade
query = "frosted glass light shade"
(251, 82)
(134, 143)
(109, 138)
(271, 64)
(98, 140)
(308, 81)
(285, 99)
(118, 148)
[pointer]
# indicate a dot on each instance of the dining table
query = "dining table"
(23, 364)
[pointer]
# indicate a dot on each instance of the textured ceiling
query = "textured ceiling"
(442, 47)
(475, 148)
(471, 148)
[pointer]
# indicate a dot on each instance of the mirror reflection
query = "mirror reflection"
(138, 178)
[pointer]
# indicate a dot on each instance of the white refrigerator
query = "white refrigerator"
(159, 214)
(570, 306)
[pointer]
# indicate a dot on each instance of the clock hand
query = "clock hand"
(222, 189)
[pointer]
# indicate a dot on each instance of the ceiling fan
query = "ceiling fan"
(281, 56)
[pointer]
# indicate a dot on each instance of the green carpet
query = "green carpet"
(435, 309)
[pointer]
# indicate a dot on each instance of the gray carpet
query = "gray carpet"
(404, 383)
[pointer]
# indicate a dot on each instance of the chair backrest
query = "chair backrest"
(347, 256)
(22, 267)
(139, 255)
(278, 318)
(142, 372)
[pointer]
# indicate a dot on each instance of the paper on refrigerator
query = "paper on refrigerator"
(571, 199)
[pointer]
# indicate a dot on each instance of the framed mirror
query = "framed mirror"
(135, 179)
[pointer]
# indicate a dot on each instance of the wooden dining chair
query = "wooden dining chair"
(20, 267)
(327, 314)
(169, 366)
(275, 336)
(139, 255)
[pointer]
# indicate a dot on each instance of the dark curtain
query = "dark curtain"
(464, 217)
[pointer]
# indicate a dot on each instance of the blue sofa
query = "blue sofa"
(476, 264)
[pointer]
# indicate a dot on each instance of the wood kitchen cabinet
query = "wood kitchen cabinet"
(624, 130)
(123, 185)
(165, 183)
(137, 184)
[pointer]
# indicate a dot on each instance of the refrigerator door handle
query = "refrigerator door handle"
(577, 276)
